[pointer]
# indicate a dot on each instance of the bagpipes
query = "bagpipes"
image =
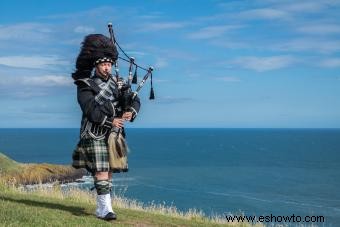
(127, 96)
(117, 145)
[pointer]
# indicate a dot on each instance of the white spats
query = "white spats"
(104, 205)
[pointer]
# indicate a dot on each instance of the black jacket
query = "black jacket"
(97, 118)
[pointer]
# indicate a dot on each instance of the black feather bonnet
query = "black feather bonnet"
(96, 48)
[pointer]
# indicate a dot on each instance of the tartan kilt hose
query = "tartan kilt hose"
(92, 155)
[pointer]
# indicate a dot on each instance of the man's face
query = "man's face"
(104, 69)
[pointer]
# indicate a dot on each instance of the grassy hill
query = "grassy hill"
(30, 173)
(7, 165)
(47, 206)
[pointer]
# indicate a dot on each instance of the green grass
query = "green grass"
(48, 209)
(55, 207)
(7, 165)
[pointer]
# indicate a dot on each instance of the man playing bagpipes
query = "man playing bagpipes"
(102, 149)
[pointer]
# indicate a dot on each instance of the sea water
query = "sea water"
(220, 171)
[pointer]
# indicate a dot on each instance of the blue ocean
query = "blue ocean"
(250, 171)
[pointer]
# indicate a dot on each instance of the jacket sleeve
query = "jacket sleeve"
(134, 108)
(98, 114)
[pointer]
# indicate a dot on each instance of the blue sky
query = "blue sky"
(233, 64)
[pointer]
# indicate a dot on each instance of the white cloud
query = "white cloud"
(308, 44)
(28, 31)
(311, 6)
(176, 54)
(264, 13)
(212, 31)
(92, 14)
(161, 63)
(37, 81)
(159, 26)
(314, 6)
(231, 44)
(151, 16)
(33, 62)
(262, 64)
(320, 29)
(228, 79)
(47, 81)
(331, 63)
(84, 29)
(27, 94)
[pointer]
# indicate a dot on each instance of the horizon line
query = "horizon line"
(185, 128)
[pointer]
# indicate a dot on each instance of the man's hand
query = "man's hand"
(127, 116)
(118, 122)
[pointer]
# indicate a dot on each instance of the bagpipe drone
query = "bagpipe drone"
(128, 94)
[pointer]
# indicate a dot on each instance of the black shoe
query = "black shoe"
(110, 216)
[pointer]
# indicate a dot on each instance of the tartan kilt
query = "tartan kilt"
(92, 155)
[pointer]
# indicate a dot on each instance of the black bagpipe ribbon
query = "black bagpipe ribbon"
(152, 93)
(134, 79)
